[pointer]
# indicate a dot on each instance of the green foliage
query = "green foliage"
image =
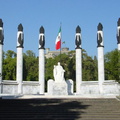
(9, 65)
(67, 63)
(112, 65)
(10, 54)
(89, 71)
(89, 66)
(30, 66)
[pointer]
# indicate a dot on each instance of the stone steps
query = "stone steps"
(59, 109)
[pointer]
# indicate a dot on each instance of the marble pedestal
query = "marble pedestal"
(60, 88)
(57, 88)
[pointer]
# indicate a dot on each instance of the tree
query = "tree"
(89, 68)
(66, 61)
(112, 65)
(29, 53)
(10, 53)
(9, 65)
(30, 66)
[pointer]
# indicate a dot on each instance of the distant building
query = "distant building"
(52, 54)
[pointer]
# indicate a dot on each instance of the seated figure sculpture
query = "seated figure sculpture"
(58, 73)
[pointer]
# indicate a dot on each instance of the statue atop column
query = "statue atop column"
(1, 32)
(78, 38)
(100, 35)
(118, 31)
(41, 38)
(58, 73)
(20, 36)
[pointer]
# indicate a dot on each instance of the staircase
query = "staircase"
(59, 109)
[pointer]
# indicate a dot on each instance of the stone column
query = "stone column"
(41, 60)
(1, 52)
(100, 47)
(118, 34)
(20, 40)
(118, 42)
(78, 60)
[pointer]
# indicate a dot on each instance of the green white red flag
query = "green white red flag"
(58, 40)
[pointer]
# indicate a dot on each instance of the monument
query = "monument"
(41, 60)
(100, 47)
(58, 72)
(20, 41)
(58, 86)
(118, 34)
(78, 60)
(1, 51)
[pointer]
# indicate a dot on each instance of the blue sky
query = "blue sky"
(50, 13)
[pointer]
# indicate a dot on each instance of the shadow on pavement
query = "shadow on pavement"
(28, 109)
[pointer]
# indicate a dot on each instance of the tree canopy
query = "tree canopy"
(112, 65)
(89, 66)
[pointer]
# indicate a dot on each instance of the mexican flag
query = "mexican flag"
(58, 40)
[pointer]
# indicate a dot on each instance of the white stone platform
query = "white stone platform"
(88, 89)
(46, 96)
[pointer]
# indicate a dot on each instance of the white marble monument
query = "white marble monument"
(58, 73)
(100, 47)
(19, 72)
(1, 52)
(59, 85)
(78, 60)
(41, 60)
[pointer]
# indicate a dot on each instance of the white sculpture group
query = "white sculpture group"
(58, 73)
(58, 86)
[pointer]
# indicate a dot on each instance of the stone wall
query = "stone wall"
(28, 87)
(110, 87)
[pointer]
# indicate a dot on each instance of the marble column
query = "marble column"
(118, 43)
(1, 52)
(41, 60)
(100, 47)
(78, 60)
(19, 72)
(119, 47)
(118, 34)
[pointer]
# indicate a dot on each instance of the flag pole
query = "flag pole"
(61, 41)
